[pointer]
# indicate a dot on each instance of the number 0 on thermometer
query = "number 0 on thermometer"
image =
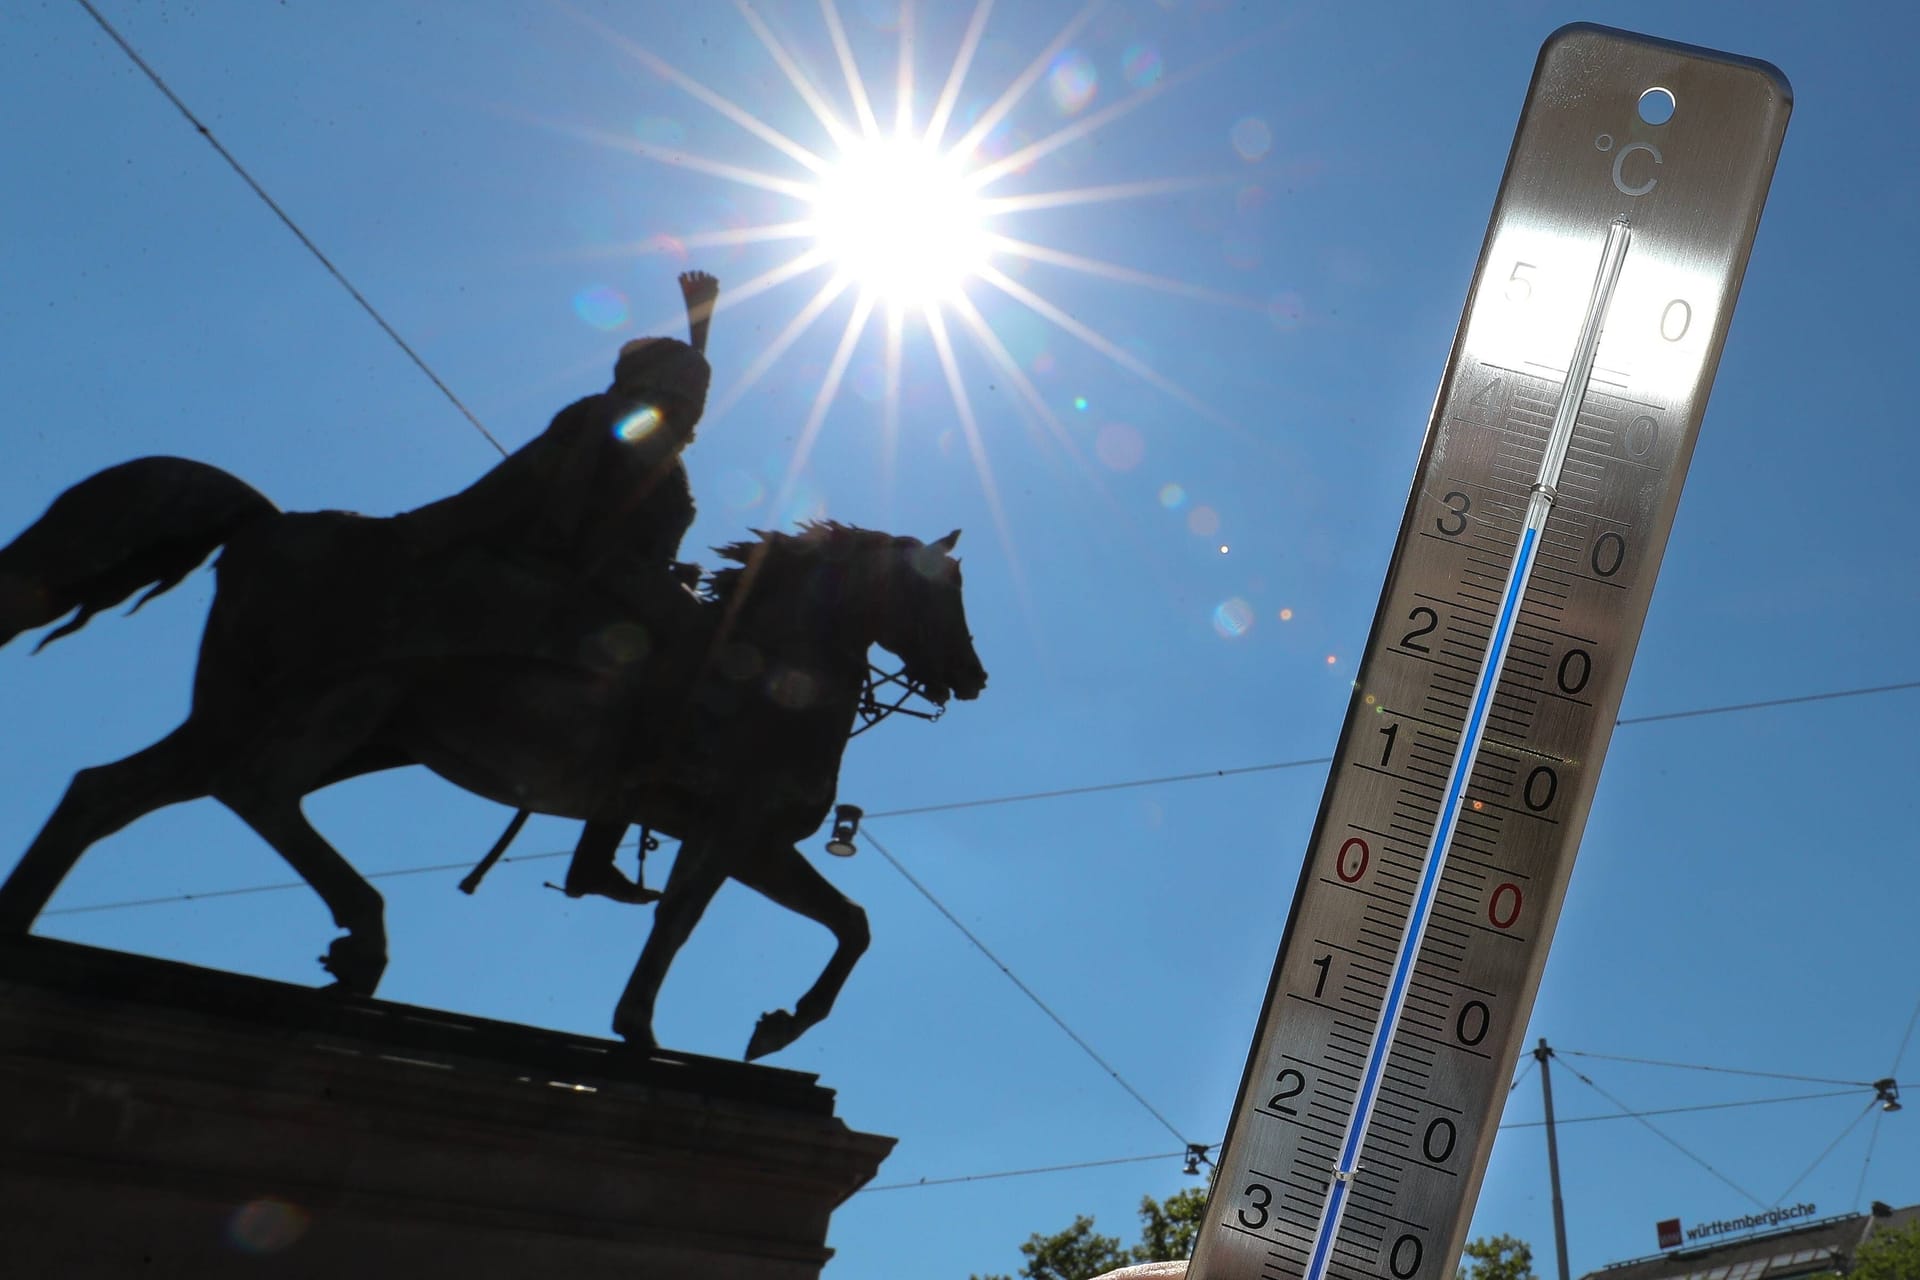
(1545, 491)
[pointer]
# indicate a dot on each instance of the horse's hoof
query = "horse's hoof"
(635, 1031)
(355, 965)
(774, 1032)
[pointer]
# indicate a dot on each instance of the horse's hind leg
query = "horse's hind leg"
(265, 784)
(784, 875)
(99, 802)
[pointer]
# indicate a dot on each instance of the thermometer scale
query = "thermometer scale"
(1493, 675)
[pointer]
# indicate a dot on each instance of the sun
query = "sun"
(913, 217)
(901, 221)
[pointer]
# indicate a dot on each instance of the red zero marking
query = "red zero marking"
(1493, 906)
(1340, 863)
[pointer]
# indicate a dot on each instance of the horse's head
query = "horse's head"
(922, 620)
(899, 593)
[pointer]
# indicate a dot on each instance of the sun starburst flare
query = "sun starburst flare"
(909, 222)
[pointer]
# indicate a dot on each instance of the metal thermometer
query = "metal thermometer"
(1545, 491)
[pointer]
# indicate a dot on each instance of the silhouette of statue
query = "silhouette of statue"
(513, 644)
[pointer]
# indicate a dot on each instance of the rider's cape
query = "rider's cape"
(602, 488)
(558, 554)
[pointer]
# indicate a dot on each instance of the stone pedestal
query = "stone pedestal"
(158, 1120)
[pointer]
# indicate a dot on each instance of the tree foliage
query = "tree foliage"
(1497, 1258)
(1887, 1255)
(1169, 1228)
(1167, 1231)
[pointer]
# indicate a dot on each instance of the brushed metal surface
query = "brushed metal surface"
(1691, 190)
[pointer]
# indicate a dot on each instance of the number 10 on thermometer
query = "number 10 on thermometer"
(1545, 491)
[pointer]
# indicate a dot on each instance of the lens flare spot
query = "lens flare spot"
(1251, 137)
(1141, 65)
(1080, 404)
(741, 490)
(1172, 497)
(1331, 659)
(1233, 618)
(1369, 700)
(1003, 144)
(621, 644)
(1223, 548)
(662, 243)
(1072, 81)
(639, 424)
(1286, 615)
(1120, 446)
(601, 306)
(1477, 806)
(791, 688)
(266, 1225)
(1203, 521)
(807, 503)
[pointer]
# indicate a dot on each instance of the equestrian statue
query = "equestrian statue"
(532, 639)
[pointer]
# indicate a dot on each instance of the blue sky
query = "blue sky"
(1745, 893)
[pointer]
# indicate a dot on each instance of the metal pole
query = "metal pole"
(1541, 1055)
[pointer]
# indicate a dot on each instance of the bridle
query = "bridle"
(872, 710)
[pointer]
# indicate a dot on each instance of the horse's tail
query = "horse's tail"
(149, 521)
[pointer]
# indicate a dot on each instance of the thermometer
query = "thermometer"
(1493, 675)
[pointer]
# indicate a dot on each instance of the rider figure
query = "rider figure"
(602, 493)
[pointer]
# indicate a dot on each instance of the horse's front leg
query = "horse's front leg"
(785, 876)
(698, 872)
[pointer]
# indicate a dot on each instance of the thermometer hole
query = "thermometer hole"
(1656, 106)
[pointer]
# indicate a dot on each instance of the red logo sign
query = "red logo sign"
(1669, 1233)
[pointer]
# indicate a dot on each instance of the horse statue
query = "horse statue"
(333, 649)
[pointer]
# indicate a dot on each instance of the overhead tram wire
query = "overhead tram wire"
(1654, 1129)
(1243, 770)
(1060, 792)
(201, 128)
(1905, 1039)
(1900, 687)
(1095, 788)
(1695, 1066)
(1029, 993)
(1821, 1158)
(1022, 1173)
(390, 874)
(1174, 1155)
(1873, 1137)
(1674, 1111)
